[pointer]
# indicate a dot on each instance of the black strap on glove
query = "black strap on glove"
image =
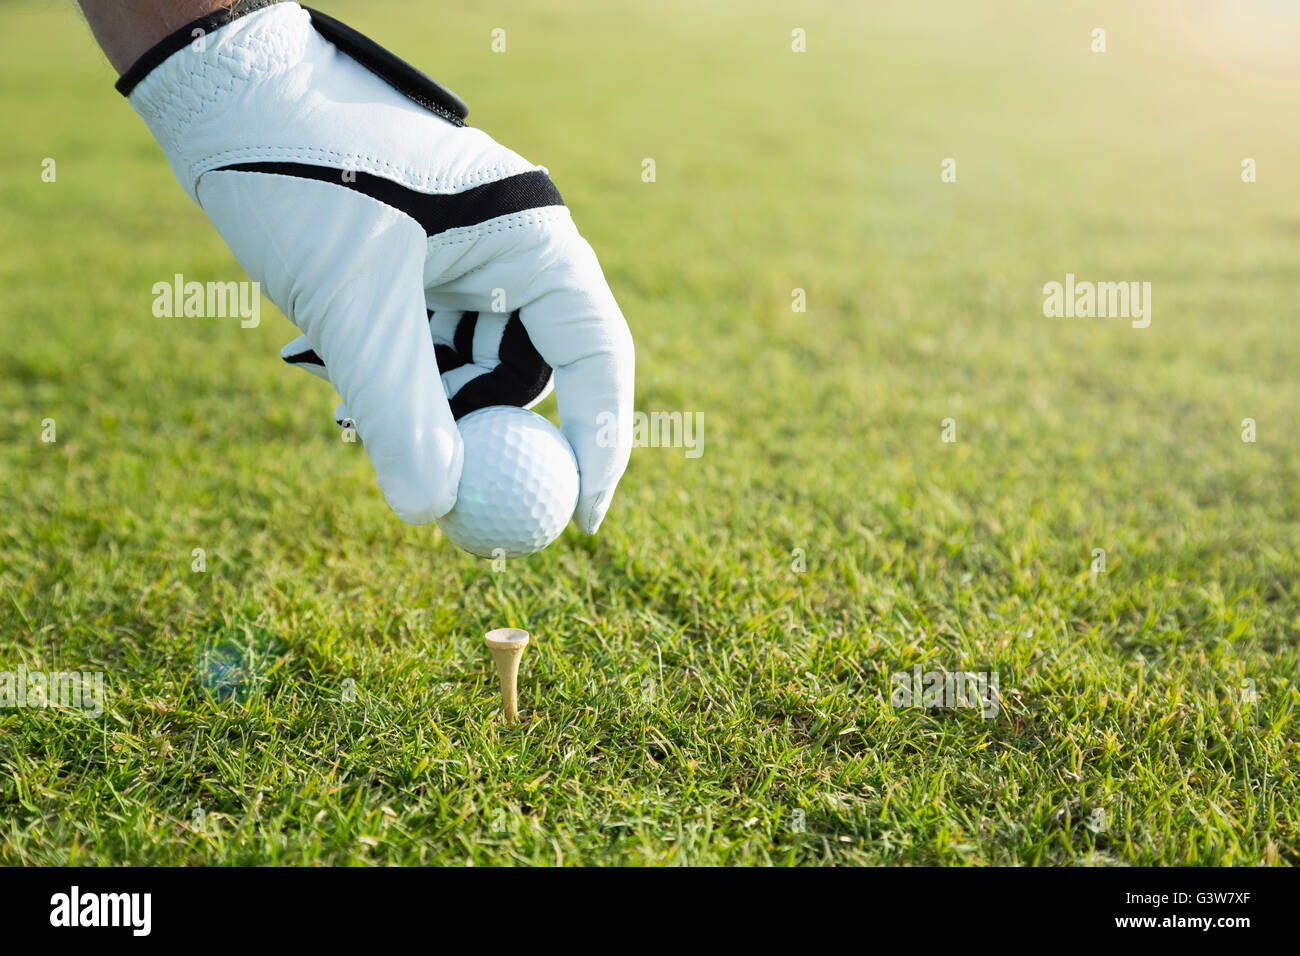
(414, 84)
(406, 79)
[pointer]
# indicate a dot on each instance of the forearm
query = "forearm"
(125, 29)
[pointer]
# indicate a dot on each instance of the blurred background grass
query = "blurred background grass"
(775, 170)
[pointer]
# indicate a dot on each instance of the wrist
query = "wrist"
(194, 92)
(280, 83)
(194, 33)
(126, 29)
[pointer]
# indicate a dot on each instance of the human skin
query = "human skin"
(125, 29)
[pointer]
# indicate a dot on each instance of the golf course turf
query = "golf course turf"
(919, 472)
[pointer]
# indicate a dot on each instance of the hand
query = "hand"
(345, 182)
(485, 359)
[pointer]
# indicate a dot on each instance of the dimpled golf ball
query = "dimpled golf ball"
(519, 485)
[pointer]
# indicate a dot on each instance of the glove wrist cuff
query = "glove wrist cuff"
(192, 33)
(202, 70)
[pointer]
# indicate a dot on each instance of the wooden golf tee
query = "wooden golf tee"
(507, 646)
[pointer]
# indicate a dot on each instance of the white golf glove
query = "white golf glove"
(345, 181)
(484, 358)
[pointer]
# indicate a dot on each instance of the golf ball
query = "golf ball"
(519, 484)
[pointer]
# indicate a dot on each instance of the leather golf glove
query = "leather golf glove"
(419, 258)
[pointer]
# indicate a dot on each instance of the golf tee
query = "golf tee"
(507, 646)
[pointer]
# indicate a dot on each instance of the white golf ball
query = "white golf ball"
(519, 485)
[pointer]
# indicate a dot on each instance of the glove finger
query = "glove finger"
(300, 354)
(356, 292)
(487, 350)
(487, 358)
(576, 325)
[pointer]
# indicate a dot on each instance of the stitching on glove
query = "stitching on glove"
(404, 175)
(435, 212)
(532, 217)
(182, 93)
(178, 40)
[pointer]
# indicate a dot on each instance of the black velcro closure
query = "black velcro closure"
(392, 69)
(436, 212)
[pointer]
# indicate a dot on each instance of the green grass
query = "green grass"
(688, 691)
